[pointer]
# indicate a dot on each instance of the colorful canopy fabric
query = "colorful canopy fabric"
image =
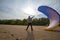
(52, 15)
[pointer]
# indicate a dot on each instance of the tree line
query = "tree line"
(35, 21)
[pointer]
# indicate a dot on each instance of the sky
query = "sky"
(13, 9)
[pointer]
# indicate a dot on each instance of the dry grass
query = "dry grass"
(18, 32)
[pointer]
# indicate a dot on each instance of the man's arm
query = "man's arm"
(33, 16)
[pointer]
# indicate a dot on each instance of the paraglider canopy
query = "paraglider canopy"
(52, 15)
(49, 12)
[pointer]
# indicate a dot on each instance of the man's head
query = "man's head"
(29, 16)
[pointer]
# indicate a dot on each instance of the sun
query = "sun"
(29, 11)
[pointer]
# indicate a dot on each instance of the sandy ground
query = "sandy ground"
(18, 32)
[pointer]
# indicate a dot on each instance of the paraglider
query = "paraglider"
(53, 16)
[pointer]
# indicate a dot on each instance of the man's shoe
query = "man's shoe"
(26, 29)
(31, 30)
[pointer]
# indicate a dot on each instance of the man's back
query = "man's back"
(29, 19)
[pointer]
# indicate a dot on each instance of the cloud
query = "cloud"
(11, 9)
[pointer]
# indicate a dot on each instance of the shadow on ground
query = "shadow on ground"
(30, 35)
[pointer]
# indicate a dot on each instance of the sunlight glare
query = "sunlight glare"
(29, 10)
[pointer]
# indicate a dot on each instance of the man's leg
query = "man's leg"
(31, 27)
(27, 26)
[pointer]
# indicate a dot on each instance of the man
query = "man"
(29, 20)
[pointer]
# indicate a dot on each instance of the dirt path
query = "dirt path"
(18, 32)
